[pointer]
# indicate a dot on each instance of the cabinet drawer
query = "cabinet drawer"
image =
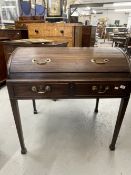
(41, 90)
(14, 35)
(35, 31)
(58, 31)
(103, 89)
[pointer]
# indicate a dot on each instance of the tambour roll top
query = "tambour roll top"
(27, 61)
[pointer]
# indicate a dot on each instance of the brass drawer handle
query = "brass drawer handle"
(100, 90)
(41, 61)
(100, 61)
(104, 90)
(41, 90)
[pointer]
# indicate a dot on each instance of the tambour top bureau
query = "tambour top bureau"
(55, 73)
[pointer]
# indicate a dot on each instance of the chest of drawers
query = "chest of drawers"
(71, 33)
(53, 73)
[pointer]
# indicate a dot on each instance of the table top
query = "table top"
(34, 42)
(119, 38)
(4, 38)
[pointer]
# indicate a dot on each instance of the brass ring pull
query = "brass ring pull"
(104, 91)
(41, 90)
(41, 61)
(100, 61)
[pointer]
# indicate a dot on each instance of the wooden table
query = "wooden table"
(68, 73)
(10, 46)
(118, 39)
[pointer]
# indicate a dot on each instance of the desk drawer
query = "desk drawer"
(41, 90)
(101, 89)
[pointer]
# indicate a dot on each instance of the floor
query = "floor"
(65, 137)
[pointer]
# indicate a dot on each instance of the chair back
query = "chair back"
(25, 7)
(39, 10)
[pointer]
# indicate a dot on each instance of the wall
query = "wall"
(129, 21)
(112, 16)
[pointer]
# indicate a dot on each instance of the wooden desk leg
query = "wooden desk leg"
(34, 107)
(121, 113)
(15, 109)
(96, 107)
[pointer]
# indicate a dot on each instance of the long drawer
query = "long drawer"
(41, 90)
(69, 89)
(36, 30)
(101, 89)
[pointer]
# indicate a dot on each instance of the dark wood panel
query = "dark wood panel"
(3, 67)
(88, 36)
(55, 90)
(13, 34)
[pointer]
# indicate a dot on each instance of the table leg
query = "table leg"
(112, 43)
(34, 107)
(16, 114)
(121, 113)
(96, 107)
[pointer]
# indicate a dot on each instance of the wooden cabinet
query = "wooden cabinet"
(8, 34)
(13, 34)
(88, 36)
(65, 32)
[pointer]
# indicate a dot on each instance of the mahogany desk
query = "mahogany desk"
(61, 73)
